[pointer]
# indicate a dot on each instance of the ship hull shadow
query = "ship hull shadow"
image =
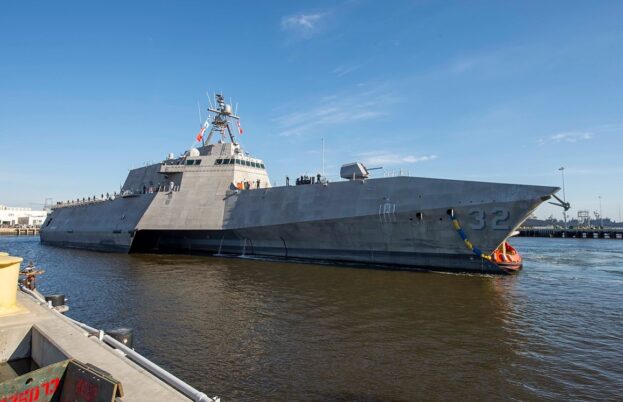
(232, 244)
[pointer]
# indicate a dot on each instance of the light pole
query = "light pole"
(322, 156)
(601, 215)
(564, 197)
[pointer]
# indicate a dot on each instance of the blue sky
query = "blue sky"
(494, 91)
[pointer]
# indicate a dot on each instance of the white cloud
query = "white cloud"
(568, 136)
(384, 158)
(330, 111)
(584, 134)
(303, 25)
(341, 71)
(571, 137)
(416, 159)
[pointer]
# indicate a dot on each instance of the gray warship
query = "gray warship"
(218, 199)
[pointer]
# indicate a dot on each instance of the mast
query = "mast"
(220, 122)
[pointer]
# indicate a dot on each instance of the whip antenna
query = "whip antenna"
(199, 111)
(209, 100)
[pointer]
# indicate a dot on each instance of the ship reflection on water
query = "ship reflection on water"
(248, 329)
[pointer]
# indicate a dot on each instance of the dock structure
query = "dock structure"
(580, 233)
(20, 231)
(71, 358)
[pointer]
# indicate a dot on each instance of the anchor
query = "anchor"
(563, 204)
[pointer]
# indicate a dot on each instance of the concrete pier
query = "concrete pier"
(47, 338)
(19, 231)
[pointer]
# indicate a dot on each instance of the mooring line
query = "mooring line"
(459, 230)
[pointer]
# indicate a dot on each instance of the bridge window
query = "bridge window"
(197, 161)
(219, 161)
(247, 163)
(237, 161)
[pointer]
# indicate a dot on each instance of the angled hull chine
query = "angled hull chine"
(107, 225)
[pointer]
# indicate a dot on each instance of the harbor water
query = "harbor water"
(246, 329)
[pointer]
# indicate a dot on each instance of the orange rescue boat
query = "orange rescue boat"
(507, 258)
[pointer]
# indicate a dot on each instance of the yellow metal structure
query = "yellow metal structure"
(9, 274)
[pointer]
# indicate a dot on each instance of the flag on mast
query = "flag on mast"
(200, 135)
(240, 130)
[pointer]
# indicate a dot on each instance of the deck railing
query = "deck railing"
(110, 197)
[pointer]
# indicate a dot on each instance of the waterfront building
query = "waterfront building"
(21, 216)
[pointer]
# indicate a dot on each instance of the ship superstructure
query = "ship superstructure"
(216, 198)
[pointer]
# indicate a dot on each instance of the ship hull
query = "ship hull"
(400, 222)
(97, 225)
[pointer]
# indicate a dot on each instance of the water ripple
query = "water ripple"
(250, 329)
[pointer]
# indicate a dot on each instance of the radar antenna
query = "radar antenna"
(220, 121)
